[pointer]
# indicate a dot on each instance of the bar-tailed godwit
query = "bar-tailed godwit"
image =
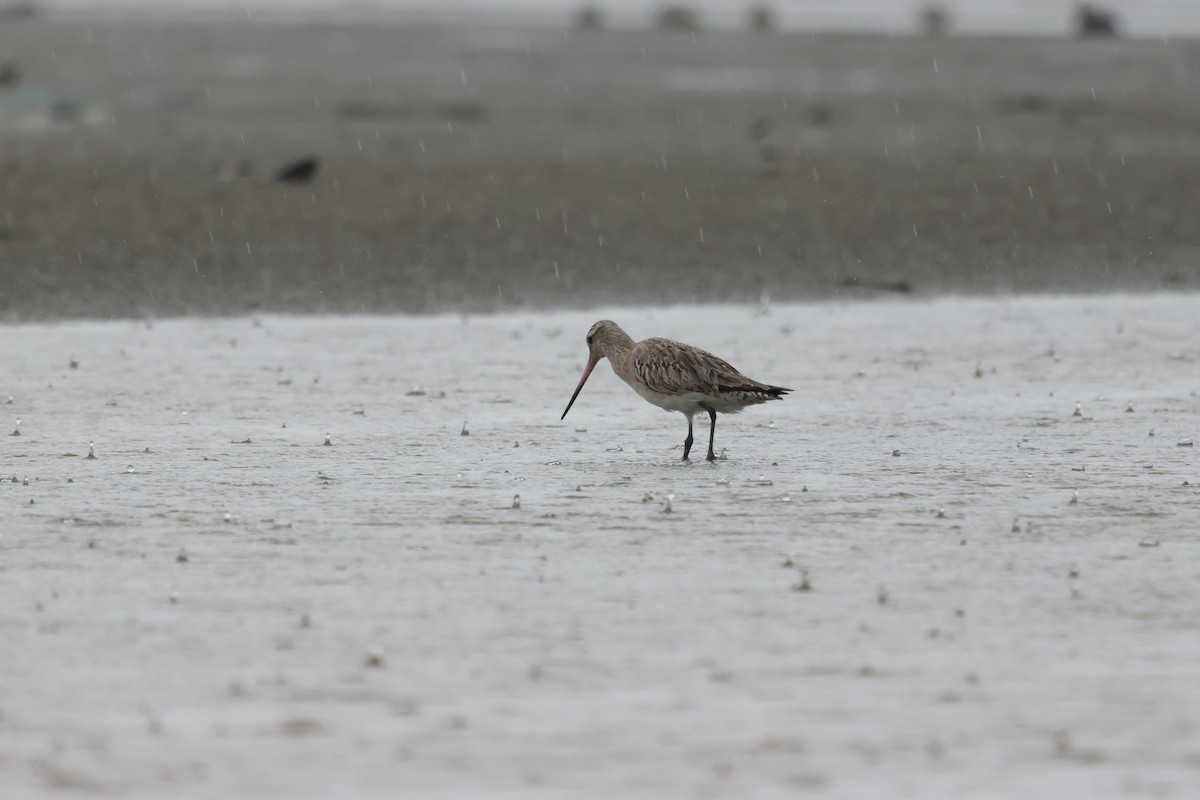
(674, 377)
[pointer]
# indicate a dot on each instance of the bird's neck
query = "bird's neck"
(617, 346)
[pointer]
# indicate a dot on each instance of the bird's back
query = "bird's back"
(675, 368)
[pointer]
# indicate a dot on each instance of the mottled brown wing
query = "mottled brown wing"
(675, 368)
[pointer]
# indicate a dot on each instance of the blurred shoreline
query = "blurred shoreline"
(485, 168)
(1135, 18)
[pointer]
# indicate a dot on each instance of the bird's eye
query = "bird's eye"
(589, 339)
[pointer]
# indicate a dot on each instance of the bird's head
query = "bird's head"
(604, 339)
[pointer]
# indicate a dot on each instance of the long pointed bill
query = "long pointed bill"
(591, 365)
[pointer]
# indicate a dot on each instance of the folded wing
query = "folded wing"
(675, 368)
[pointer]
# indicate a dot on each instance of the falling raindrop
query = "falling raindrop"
(516, 501)
(1078, 410)
(17, 429)
(91, 451)
(328, 440)
(464, 431)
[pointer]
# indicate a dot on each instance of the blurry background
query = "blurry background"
(175, 157)
(1044, 17)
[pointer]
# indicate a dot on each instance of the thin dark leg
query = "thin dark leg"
(687, 443)
(712, 431)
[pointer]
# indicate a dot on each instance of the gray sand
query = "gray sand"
(374, 619)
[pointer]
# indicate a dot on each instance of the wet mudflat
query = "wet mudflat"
(921, 575)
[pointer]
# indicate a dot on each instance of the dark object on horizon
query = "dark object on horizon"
(1095, 21)
(589, 18)
(680, 19)
(761, 19)
(299, 171)
(761, 128)
(10, 75)
(19, 10)
(934, 21)
(899, 286)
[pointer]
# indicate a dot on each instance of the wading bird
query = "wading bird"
(674, 377)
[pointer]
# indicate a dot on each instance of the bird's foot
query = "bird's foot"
(710, 456)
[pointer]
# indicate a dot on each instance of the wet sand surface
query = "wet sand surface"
(222, 606)
(501, 168)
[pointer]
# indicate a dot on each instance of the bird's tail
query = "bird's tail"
(756, 389)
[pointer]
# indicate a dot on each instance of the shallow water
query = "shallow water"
(251, 612)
